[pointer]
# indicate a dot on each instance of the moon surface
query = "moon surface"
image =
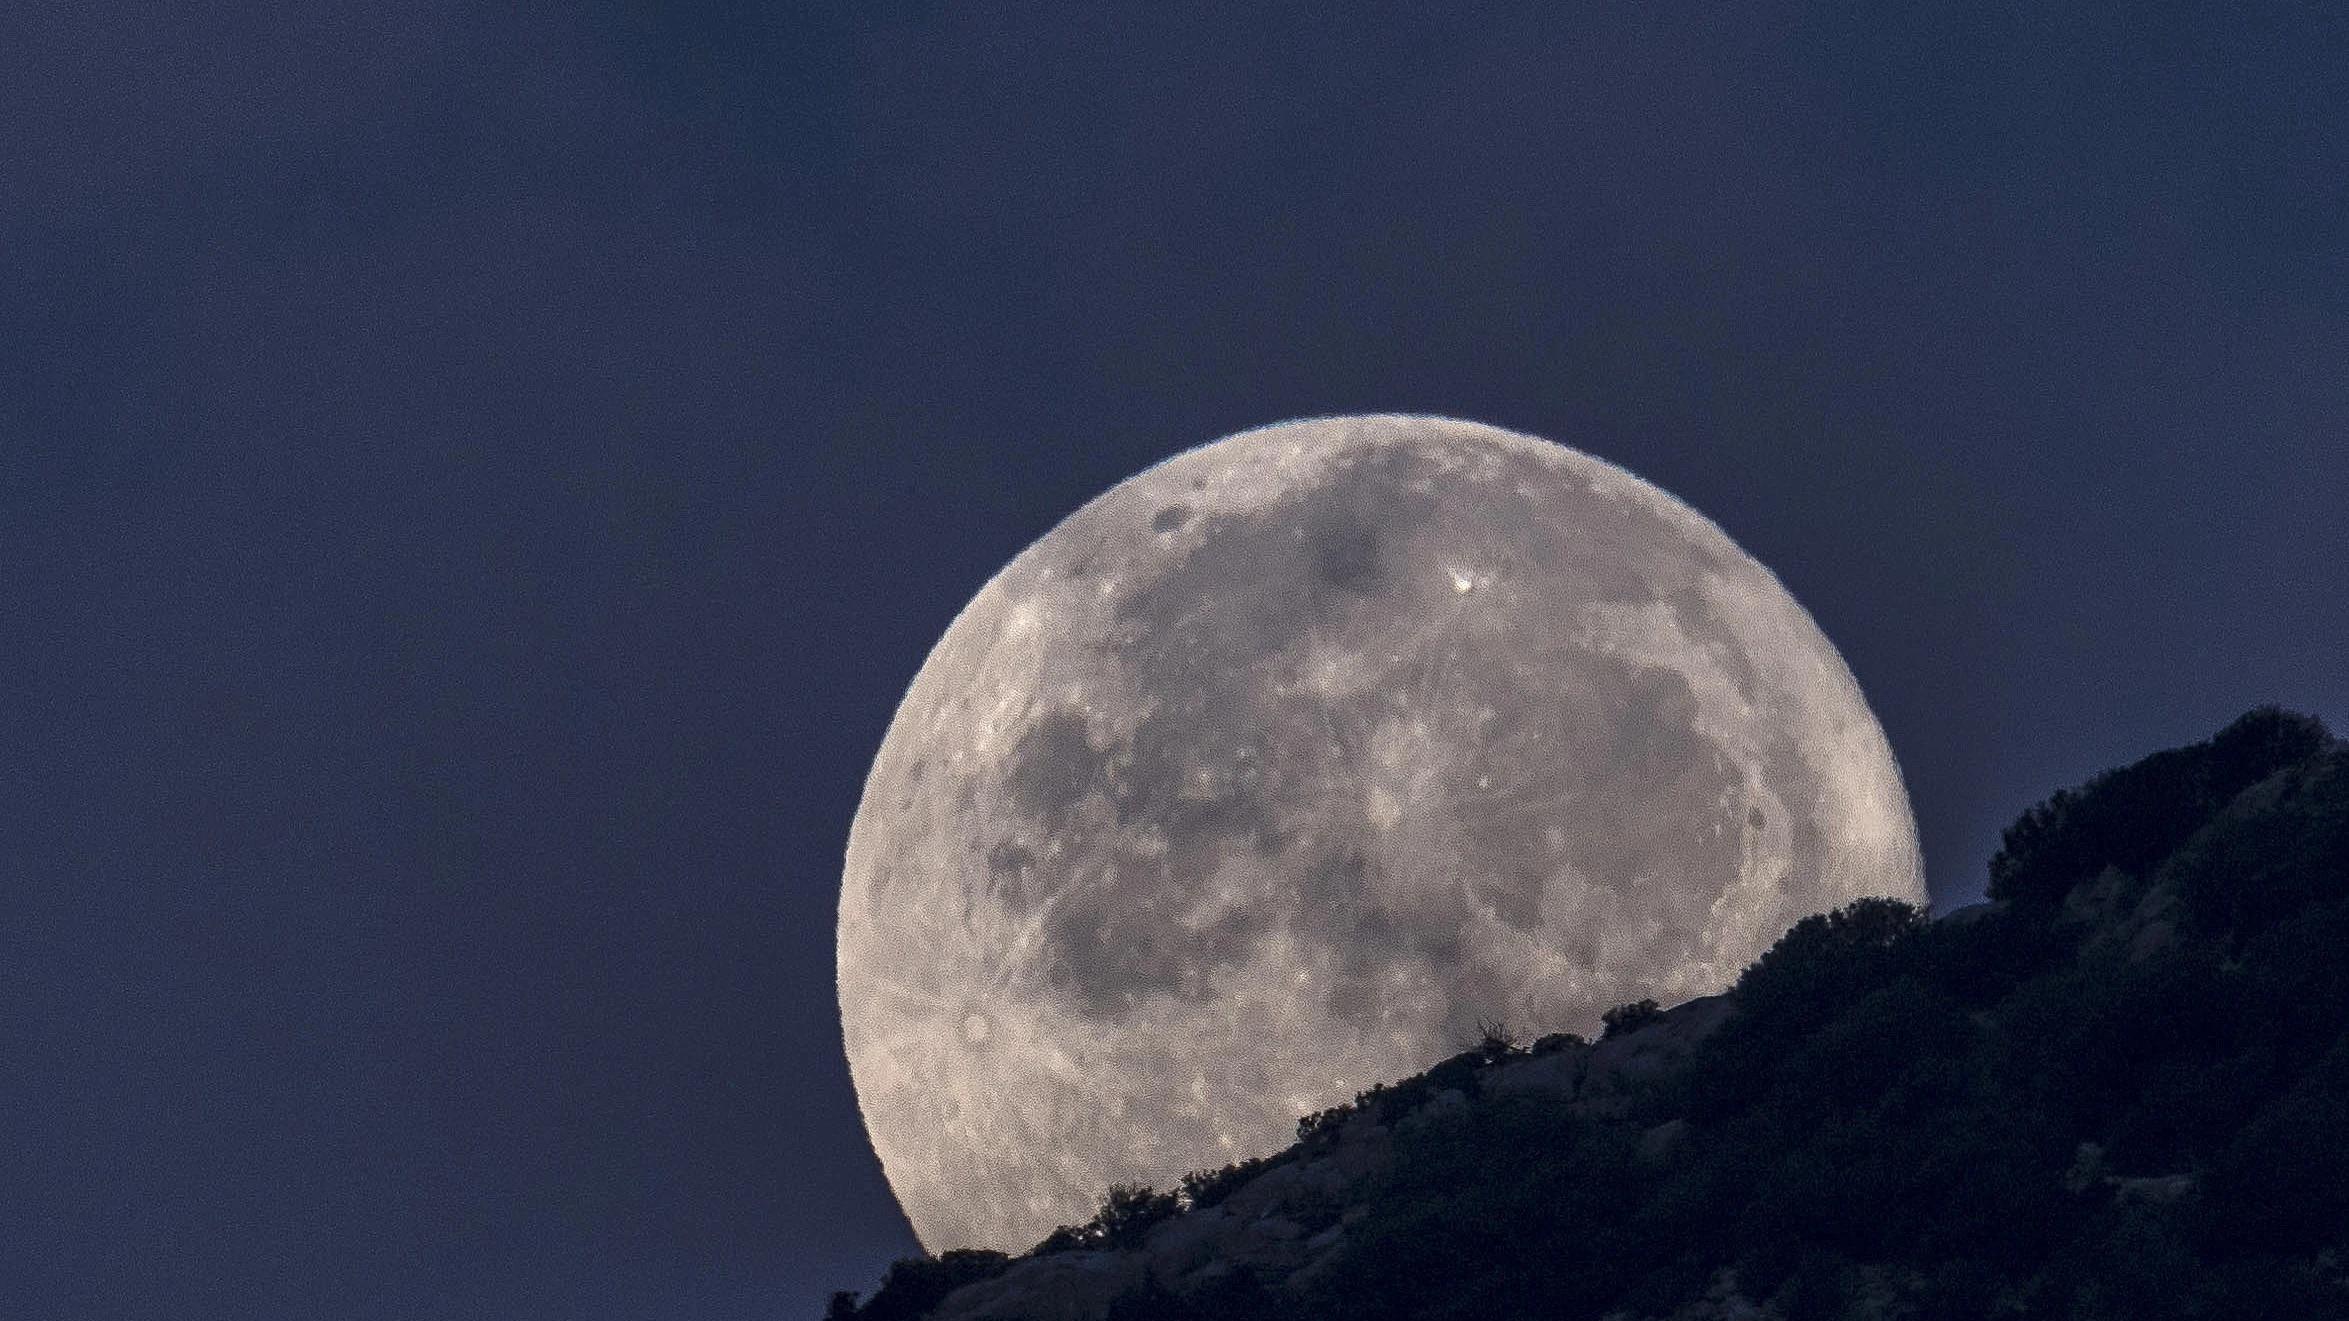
(1270, 773)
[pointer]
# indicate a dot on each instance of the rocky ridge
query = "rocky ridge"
(1287, 1226)
(2120, 1088)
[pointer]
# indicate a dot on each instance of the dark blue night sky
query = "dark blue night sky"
(474, 484)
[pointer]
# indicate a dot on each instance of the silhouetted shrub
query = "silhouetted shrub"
(1629, 1018)
(914, 1285)
(2130, 818)
(1458, 1072)
(1825, 957)
(1201, 1189)
(1323, 1123)
(1494, 1040)
(2272, 854)
(1128, 1212)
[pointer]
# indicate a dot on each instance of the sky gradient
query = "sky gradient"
(475, 482)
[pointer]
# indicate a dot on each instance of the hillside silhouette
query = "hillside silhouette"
(2117, 1089)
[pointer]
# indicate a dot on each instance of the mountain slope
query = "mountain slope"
(2118, 1089)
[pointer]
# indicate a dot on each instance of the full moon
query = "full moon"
(1276, 770)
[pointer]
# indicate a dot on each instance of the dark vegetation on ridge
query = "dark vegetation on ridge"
(2118, 1090)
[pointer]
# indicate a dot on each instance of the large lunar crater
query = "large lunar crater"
(1272, 772)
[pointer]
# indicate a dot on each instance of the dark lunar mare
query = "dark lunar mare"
(1205, 636)
(1224, 625)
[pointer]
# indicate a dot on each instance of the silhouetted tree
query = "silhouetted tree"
(914, 1285)
(1494, 1040)
(1629, 1018)
(2131, 817)
(1128, 1211)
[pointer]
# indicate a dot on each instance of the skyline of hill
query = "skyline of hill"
(2119, 1088)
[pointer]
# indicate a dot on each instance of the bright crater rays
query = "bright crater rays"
(1278, 768)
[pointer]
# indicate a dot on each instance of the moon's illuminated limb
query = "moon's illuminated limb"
(1271, 771)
